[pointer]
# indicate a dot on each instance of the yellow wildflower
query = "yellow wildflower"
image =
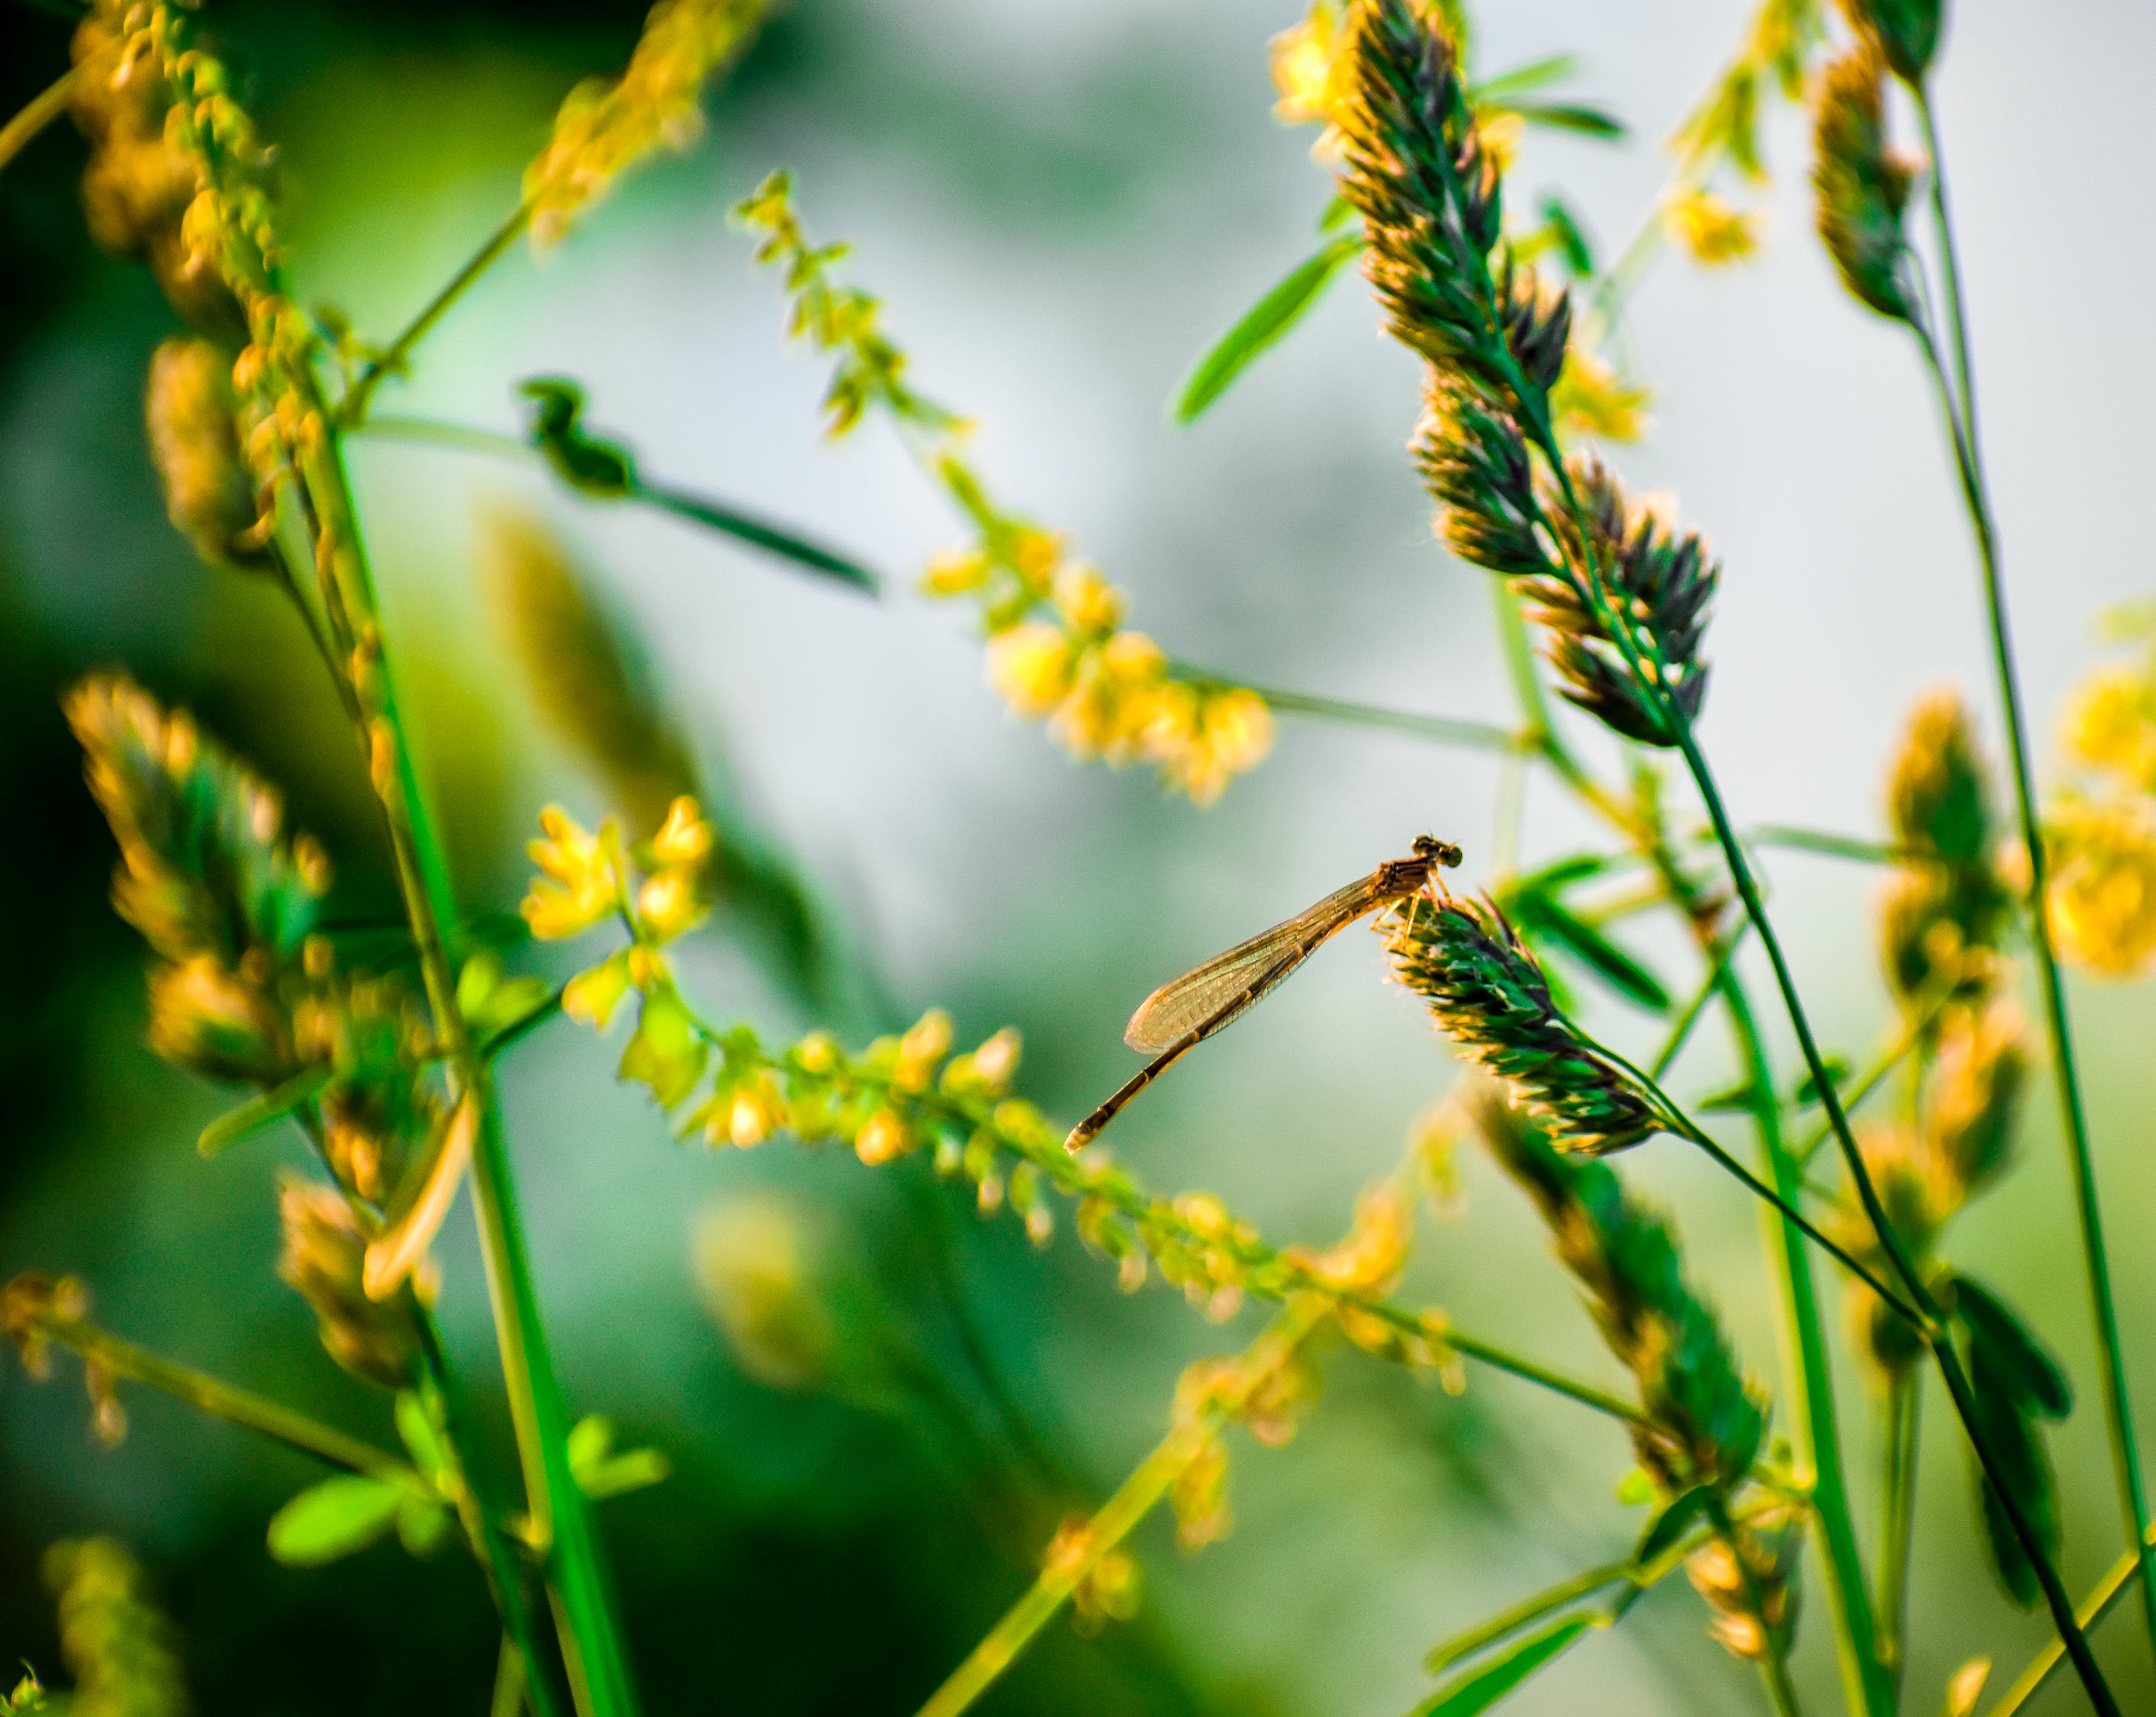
(1590, 399)
(208, 494)
(1032, 667)
(1314, 73)
(586, 870)
(606, 126)
(1712, 231)
(666, 905)
(592, 997)
(882, 1139)
(1088, 601)
(685, 838)
(2103, 884)
(2111, 724)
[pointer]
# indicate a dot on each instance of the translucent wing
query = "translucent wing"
(1211, 995)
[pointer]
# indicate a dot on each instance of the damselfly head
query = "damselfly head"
(1437, 851)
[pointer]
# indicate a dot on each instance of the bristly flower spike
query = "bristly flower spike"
(1488, 993)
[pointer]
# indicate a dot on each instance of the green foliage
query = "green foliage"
(330, 1520)
(1483, 1687)
(1263, 325)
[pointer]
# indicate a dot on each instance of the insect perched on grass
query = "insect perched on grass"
(1183, 1013)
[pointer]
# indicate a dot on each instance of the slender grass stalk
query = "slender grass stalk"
(1898, 1524)
(1117, 1518)
(1968, 462)
(2103, 1597)
(1829, 845)
(1451, 730)
(1774, 1656)
(1808, 1370)
(1718, 959)
(351, 410)
(591, 1632)
(1272, 1272)
(220, 1400)
(722, 517)
(506, 1572)
(48, 105)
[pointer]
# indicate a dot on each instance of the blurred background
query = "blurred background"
(1062, 207)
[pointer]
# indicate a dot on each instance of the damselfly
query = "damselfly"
(1179, 1015)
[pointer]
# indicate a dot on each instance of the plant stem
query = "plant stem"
(1448, 730)
(1115, 1522)
(1868, 852)
(44, 107)
(1962, 427)
(351, 409)
(221, 1400)
(722, 517)
(1904, 1403)
(1807, 1369)
(590, 1633)
(505, 1568)
(2098, 1604)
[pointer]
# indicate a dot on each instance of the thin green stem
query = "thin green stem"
(1685, 1127)
(1808, 1370)
(239, 1406)
(1448, 730)
(590, 1631)
(2102, 1597)
(1898, 1511)
(1117, 1518)
(351, 409)
(1872, 1077)
(1962, 428)
(44, 107)
(506, 1571)
(721, 516)
(1868, 852)
(1525, 1613)
(1718, 958)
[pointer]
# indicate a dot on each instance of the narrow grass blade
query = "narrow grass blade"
(1483, 1690)
(1262, 326)
(258, 1112)
(760, 533)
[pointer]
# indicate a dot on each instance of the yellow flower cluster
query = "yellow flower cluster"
(1315, 74)
(1267, 1388)
(1105, 691)
(1058, 650)
(1104, 1583)
(1709, 228)
(1592, 400)
(2101, 834)
(194, 440)
(607, 125)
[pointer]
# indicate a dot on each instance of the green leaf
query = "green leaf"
(1523, 79)
(334, 1518)
(583, 461)
(422, 1524)
(2019, 1450)
(666, 1053)
(422, 1437)
(2005, 1354)
(1571, 237)
(1730, 1100)
(258, 1112)
(1539, 913)
(1667, 1528)
(1487, 1685)
(1805, 1093)
(762, 533)
(1635, 1489)
(1338, 213)
(1262, 326)
(599, 1472)
(1571, 116)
